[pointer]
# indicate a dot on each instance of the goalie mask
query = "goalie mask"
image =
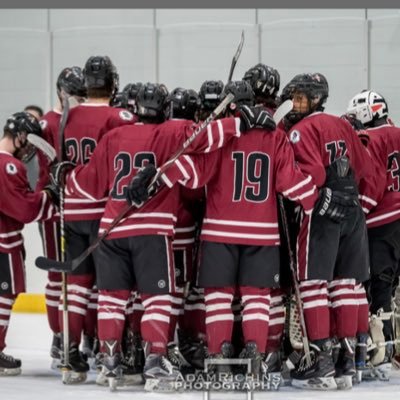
(182, 103)
(308, 92)
(19, 125)
(71, 82)
(151, 100)
(368, 107)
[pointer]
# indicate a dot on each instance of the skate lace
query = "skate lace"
(175, 357)
(6, 357)
(304, 364)
(166, 364)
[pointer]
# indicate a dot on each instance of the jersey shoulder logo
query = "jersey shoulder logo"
(126, 115)
(295, 136)
(11, 169)
(43, 124)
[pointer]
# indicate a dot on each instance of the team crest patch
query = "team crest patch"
(295, 136)
(43, 124)
(11, 169)
(126, 115)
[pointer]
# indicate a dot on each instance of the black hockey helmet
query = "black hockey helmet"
(182, 103)
(210, 94)
(100, 73)
(131, 90)
(244, 95)
(23, 123)
(314, 86)
(264, 80)
(72, 82)
(150, 101)
(119, 100)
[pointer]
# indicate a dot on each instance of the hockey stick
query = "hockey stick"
(64, 288)
(236, 57)
(285, 224)
(68, 266)
(43, 146)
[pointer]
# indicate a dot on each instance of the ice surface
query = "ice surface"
(29, 338)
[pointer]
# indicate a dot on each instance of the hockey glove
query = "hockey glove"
(334, 204)
(59, 170)
(138, 190)
(53, 191)
(255, 117)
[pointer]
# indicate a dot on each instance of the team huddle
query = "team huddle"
(235, 236)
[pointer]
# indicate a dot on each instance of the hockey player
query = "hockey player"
(182, 104)
(240, 234)
(70, 82)
(332, 243)
(87, 124)
(265, 82)
(383, 220)
(18, 205)
(139, 249)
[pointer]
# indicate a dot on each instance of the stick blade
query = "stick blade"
(48, 264)
(282, 110)
(43, 146)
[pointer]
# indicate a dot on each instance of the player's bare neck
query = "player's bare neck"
(98, 100)
(6, 144)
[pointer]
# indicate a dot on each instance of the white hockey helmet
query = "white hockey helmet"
(367, 107)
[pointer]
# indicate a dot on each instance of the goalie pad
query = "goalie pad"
(377, 337)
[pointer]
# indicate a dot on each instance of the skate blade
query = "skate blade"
(132, 380)
(159, 385)
(344, 382)
(315, 384)
(10, 371)
(112, 384)
(70, 377)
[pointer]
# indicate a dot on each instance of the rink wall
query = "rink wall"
(354, 48)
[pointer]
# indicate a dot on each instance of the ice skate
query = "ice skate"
(159, 374)
(177, 359)
(345, 365)
(133, 361)
(319, 375)
(90, 347)
(76, 370)
(251, 352)
(271, 366)
(220, 370)
(55, 352)
(111, 372)
(9, 366)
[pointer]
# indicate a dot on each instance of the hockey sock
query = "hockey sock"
(52, 296)
(363, 309)
(314, 295)
(6, 303)
(219, 317)
(176, 311)
(256, 307)
(194, 316)
(155, 321)
(276, 321)
(111, 315)
(79, 289)
(344, 306)
(90, 323)
(135, 317)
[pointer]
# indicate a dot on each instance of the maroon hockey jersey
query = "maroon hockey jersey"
(319, 139)
(18, 203)
(243, 179)
(87, 124)
(122, 152)
(383, 203)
